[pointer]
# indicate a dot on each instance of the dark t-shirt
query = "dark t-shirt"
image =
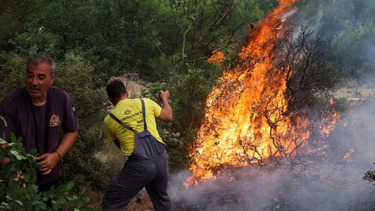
(16, 109)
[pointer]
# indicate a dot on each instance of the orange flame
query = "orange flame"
(246, 115)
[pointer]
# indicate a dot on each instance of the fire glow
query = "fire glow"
(247, 119)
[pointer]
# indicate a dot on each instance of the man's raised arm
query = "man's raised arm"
(166, 113)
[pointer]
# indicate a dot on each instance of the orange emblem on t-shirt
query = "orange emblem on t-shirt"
(54, 121)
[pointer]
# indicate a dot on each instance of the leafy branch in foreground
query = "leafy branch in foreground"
(18, 190)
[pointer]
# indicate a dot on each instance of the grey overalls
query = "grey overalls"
(146, 167)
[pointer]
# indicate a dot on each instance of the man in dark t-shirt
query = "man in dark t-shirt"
(38, 112)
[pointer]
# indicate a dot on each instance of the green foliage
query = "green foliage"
(355, 38)
(14, 16)
(18, 190)
(101, 32)
(75, 77)
(188, 32)
(36, 40)
(12, 72)
(188, 98)
(153, 91)
(349, 26)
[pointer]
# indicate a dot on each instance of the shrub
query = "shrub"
(370, 176)
(21, 193)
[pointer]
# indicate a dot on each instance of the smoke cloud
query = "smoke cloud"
(330, 185)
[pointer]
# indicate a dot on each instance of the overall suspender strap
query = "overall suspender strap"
(144, 113)
(119, 121)
(127, 126)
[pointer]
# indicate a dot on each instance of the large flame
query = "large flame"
(246, 115)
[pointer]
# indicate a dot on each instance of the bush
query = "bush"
(370, 176)
(12, 72)
(75, 76)
(22, 193)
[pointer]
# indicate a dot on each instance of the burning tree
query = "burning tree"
(273, 103)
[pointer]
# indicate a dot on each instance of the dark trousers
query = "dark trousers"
(46, 187)
(152, 174)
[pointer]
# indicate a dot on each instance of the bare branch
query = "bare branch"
(219, 49)
(157, 46)
(216, 22)
(184, 42)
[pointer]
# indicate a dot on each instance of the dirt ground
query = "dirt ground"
(353, 90)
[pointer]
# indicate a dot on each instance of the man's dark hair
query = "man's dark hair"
(116, 89)
(41, 59)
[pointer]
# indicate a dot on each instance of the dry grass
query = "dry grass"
(353, 90)
(112, 156)
(96, 198)
(144, 205)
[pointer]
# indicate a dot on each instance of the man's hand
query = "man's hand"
(49, 160)
(164, 95)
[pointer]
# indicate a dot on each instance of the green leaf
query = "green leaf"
(15, 153)
(43, 206)
(37, 208)
(33, 151)
(69, 186)
(26, 176)
(19, 202)
(86, 199)
(13, 137)
(2, 141)
(5, 122)
(69, 197)
(61, 201)
(82, 192)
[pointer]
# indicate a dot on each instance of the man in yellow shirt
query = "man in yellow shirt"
(132, 127)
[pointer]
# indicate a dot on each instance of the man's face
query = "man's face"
(38, 79)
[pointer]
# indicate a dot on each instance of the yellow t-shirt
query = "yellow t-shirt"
(129, 111)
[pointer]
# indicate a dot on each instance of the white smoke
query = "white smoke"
(288, 14)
